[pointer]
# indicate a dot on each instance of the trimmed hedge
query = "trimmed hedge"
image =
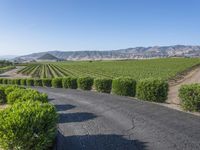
(69, 82)
(30, 82)
(10, 81)
(1, 80)
(124, 86)
(2, 95)
(5, 81)
(190, 97)
(37, 82)
(19, 95)
(17, 81)
(103, 85)
(46, 82)
(85, 83)
(155, 90)
(23, 82)
(28, 125)
(57, 82)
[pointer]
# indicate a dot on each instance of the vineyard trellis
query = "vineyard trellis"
(137, 69)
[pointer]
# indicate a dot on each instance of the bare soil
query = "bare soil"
(13, 73)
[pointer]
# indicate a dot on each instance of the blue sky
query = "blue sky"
(28, 26)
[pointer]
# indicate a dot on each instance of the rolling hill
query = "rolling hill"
(129, 53)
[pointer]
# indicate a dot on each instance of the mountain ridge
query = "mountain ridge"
(128, 53)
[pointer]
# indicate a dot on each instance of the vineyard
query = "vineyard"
(137, 69)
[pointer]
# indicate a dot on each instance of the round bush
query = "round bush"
(57, 83)
(23, 82)
(190, 97)
(5, 81)
(37, 82)
(124, 86)
(30, 82)
(46, 82)
(103, 85)
(28, 125)
(152, 90)
(69, 82)
(85, 83)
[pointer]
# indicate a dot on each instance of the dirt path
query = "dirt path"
(13, 73)
(191, 77)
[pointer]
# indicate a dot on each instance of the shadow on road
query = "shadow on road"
(75, 117)
(97, 142)
(64, 107)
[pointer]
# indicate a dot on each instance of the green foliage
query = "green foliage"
(85, 83)
(10, 81)
(30, 82)
(25, 95)
(28, 126)
(69, 82)
(5, 81)
(37, 82)
(152, 90)
(103, 85)
(1, 80)
(9, 89)
(23, 82)
(190, 97)
(46, 82)
(57, 82)
(2, 95)
(17, 81)
(124, 86)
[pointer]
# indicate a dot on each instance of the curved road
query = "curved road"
(95, 121)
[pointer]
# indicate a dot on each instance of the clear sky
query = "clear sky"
(28, 26)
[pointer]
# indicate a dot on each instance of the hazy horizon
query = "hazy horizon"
(36, 26)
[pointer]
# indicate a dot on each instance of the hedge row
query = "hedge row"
(29, 121)
(147, 89)
(190, 97)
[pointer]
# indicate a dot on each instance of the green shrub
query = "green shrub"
(5, 81)
(57, 83)
(10, 81)
(23, 82)
(30, 82)
(103, 85)
(19, 95)
(190, 97)
(17, 81)
(37, 82)
(46, 82)
(152, 90)
(124, 86)
(1, 80)
(69, 82)
(2, 95)
(85, 83)
(28, 126)
(9, 89)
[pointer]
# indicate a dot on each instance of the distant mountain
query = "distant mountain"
(129, 53)
(47, 56)
(7, 57)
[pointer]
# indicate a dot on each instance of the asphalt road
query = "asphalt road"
(95, 121)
